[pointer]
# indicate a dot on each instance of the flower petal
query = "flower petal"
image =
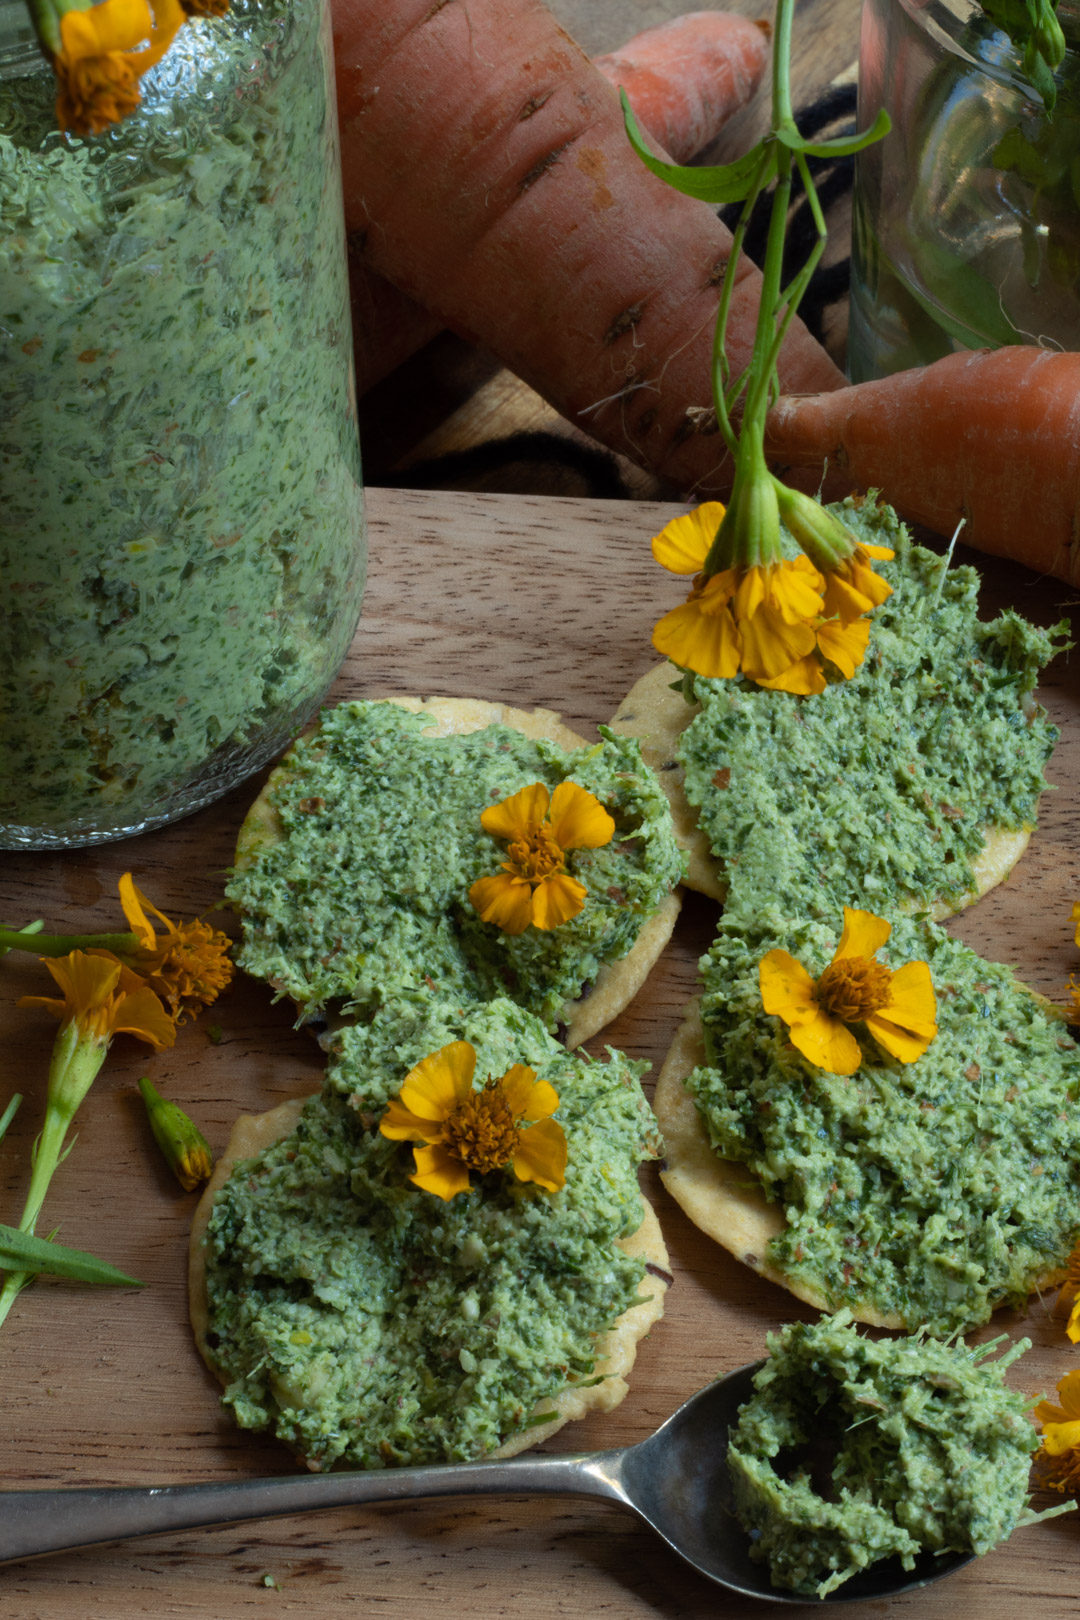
(844, 644)
(577, 818)
(556, 899)
(787, 990)
(518, 815)
(1069, 1394)
(142, 1014)
(706, 642)
(440, 1081)
(901, 1044)
(794, 590)
(114, 25)
(803, 678)
(527, 1097)
(912, 1003)
(439, 1172)
(1058, 1438)
(863, 935)
(827, 1043)
(540, 1155)
(401, 1125)
(771, 645)
(505, 900)
(135, 905)
(683, 544)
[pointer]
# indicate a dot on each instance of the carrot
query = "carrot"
(684, 80)
(988, 435)
(488, 173)
(688, 76)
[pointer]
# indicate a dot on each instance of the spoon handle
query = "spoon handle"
(47, 1521)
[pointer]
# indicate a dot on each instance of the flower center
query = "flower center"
(481, 1131)
(853, 987)
(535, 855)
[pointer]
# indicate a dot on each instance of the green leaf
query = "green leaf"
(716, 183)
(20, 1251)
(842, 145)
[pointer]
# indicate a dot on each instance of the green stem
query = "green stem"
(26, 939)
(76, 1061)
(749, 534)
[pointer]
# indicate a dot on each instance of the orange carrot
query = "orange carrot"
(684, 80)
(688, 76)
(988, 435)
(488, 173)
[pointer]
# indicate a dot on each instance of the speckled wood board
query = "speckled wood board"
(534, 601)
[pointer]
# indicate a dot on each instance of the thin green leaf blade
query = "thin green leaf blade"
(842, 145)
(718, 183)
(21, 1251)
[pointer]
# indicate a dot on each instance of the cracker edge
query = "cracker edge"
(616, 1347)
(618, 982)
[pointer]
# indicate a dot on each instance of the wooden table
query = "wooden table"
(536, 601)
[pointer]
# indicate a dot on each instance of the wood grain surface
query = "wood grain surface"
(535, 601)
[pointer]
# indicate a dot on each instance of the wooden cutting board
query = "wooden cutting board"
(534, 601)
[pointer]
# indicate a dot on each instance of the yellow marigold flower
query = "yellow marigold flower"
(188, 966)
(898, 1008)
(103, 998)
(102, 53)
(774, 622)
(1059, 1458)
(533, 887)
(507, 1121)
(205, 8)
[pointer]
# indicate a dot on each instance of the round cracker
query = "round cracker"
(617, 983)
(657, 716)
(616, 1348)
(723, 1198)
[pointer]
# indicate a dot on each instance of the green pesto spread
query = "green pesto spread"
(883, 787)
(852, 1450)
(180, 500)
(364, 1320)
(365, 897)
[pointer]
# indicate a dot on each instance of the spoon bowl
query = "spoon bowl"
(676, 1482)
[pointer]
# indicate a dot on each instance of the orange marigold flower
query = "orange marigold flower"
(103, 998)
(506, 1122)
(188, 966)
(533, 887)
(1059, 1458)
(103, 52)
(899, 1008)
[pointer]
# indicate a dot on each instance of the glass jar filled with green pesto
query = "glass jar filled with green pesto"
(182, 549)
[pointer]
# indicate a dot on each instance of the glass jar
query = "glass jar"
(182, 547)
(966, 217)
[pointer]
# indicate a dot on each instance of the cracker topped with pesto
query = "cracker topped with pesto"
(912, 1193)
(915, 783)
(357, 868)
(367, 1320)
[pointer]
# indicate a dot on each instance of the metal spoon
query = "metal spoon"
(676, 1481)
